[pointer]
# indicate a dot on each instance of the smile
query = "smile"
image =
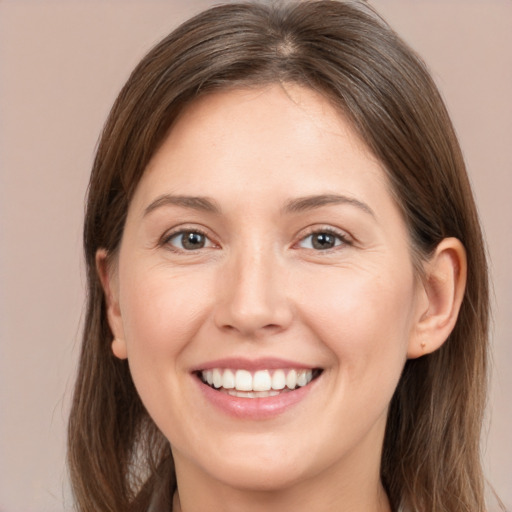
(259, 384)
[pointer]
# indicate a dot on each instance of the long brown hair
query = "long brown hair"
(431, 457)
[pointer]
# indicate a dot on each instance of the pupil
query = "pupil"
(323, 241)
(193, 241)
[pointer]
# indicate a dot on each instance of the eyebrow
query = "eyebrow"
(302, 204)
(203, 204)
(297, 205)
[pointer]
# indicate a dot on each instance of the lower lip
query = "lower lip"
(254, 408)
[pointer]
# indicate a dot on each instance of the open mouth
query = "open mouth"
(258, 384)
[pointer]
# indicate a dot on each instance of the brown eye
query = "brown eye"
(189, 240)
(322, 240)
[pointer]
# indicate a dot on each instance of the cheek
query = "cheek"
(363, 318)
(161, 314)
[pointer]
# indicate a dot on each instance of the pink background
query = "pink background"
(62, 63)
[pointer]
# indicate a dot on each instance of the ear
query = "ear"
(108, 278)
(443, 286)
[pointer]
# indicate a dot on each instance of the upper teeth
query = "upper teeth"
(262, 380)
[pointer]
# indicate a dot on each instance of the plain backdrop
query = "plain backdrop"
(62, 62)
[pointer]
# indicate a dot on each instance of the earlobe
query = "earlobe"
(119, 348)
(108, 282)
(444, 283)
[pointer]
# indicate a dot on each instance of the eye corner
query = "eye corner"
(185, 240)
(327, 239)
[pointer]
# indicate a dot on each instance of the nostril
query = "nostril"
(252, 331)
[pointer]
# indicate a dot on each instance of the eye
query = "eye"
(322, 240)
(189, 240)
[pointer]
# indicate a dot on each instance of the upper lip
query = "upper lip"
(264, 363)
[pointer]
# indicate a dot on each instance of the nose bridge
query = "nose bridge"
(254, 292)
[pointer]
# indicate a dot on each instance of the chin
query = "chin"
(255, 470)
(259, 478)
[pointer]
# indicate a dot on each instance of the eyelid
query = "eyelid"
(174, 232)
(345, 238)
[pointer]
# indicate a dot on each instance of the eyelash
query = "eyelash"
(166, 240)
(339, 235)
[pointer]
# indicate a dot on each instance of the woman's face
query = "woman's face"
(262, 250)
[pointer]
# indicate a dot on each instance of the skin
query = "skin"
(259, 288)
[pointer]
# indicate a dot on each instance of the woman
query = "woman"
(288, 297)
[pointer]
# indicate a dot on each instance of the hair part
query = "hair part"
(431, 458)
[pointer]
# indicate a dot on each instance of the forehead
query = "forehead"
(254, 135)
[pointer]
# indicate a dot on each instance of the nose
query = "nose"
(252, 300)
